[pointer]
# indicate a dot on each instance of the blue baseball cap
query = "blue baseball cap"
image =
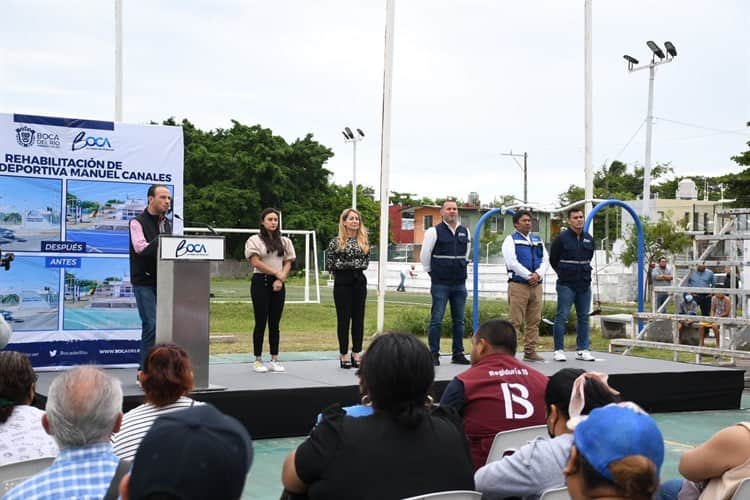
(614, 432)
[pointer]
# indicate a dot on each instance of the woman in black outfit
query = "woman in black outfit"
(405, 448)
(347, 256)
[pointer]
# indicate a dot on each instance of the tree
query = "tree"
(493, 239)
(660, 238)
(232, 174)
(613, 181)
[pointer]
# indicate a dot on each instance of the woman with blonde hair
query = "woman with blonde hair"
(348, 255)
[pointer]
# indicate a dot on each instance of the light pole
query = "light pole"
(525, 172)
(632, 66)
(349, 136)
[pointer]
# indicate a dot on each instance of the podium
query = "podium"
(183, 287)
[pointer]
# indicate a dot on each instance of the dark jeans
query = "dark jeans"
(267, 308)
(145, 299)
(350, 295)
(567, 297)
(704, 302)
(441, 295)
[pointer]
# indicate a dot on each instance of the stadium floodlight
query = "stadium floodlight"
(633, 66)
(632, 61)
(655, 49)
(671, 50)
(354, 139)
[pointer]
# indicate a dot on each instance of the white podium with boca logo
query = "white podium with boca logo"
(183, 288)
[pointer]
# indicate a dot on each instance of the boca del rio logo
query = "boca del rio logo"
(185, 248)
(81, 141)
(25, 136)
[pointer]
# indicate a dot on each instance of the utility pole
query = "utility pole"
(523, 167)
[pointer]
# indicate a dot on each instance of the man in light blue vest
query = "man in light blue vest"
(526, 260)
(443, 256)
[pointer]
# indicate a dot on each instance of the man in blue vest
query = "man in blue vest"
(526, 260)
(443, 256)
(570, 257)
(144, 245)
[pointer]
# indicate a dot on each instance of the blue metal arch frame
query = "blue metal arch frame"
(587, 225)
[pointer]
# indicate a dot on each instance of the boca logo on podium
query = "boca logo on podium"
(187, 248)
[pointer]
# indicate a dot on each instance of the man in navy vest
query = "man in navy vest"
(570, 257)
(526, 260)
(499, 392)
(443, 256)
(144, 245)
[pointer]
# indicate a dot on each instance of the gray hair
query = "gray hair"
(83, 407)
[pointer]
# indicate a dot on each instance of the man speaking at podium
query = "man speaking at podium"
(144, 247)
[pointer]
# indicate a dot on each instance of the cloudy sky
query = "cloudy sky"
(472, 79)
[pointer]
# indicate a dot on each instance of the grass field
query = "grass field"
(312, 327)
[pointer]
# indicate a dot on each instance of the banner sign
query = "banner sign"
(68, 189)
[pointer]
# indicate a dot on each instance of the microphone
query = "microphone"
(200, 224)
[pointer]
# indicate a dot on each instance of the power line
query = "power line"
(743, 131)
(617, 156)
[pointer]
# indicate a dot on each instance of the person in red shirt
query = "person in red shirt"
(499, 392)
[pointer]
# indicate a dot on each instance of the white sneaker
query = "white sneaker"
(276, 366)
(585, 355)
(559, 356)
(259, 367)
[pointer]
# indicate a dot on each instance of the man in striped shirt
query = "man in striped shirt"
(83, 408)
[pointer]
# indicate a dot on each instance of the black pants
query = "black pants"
(704, 302)
(349, 295)
(267, 308)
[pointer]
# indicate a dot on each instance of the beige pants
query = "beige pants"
(526, 308)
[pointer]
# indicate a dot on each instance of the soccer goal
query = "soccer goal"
(302, 290)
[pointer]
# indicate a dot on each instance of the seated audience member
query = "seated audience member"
(499, 392)
(166, 378)
(689, 307)
(192, 454)
(538, 466)
(84, 407)
(22, 436)
(617, 452)
(720, 308)
(363, 409)
(714, 469)
(403, 449)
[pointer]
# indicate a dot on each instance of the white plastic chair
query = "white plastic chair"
(743, 490)
(512, 440)
(555, 494)
(12, 475)
(448, 495)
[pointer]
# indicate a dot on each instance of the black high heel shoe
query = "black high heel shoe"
(345, 363)
(355, 362)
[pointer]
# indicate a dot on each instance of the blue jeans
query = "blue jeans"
(668, 490)
(441, 294)
(660, 299)
(566, 297)
(145, 298)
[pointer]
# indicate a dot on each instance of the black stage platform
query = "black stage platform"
(286, 404)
